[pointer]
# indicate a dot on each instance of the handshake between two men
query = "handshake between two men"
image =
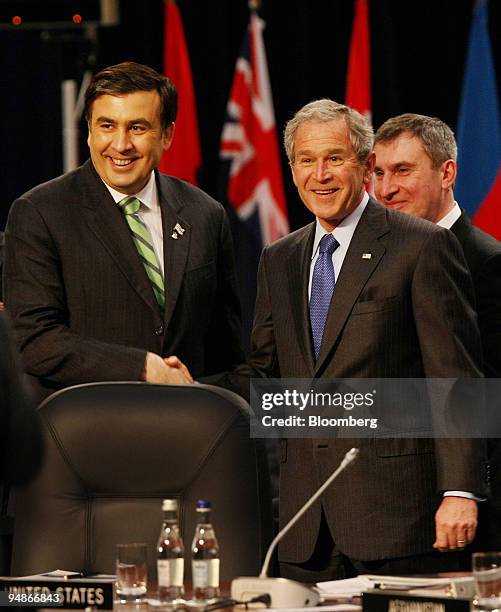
(168, 370)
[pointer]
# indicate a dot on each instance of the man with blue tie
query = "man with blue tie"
(365, 292)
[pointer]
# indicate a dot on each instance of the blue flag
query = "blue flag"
(478, 185)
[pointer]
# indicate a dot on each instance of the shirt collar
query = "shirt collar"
(451, 217)
(343, 233)
(148, 194)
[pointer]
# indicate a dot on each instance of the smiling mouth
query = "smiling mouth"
(324, 191)
(120, 162)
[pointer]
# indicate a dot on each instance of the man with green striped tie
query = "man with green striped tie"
(113, 267)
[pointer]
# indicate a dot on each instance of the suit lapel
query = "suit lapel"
(176, 242)
(298, 268)
(462, 227)
(354, 274)
(107, 222)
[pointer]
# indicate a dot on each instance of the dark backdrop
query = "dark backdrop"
(418, 53)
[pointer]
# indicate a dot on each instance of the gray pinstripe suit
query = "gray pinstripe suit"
(405, 312)
(82, 305)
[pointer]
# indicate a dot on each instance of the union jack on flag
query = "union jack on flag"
(249, 142)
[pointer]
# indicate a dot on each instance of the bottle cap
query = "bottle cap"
(202, 504)
(170, 505)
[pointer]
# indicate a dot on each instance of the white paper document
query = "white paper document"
(353, 587)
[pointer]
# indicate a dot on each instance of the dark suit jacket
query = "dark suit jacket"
(2, 242)
(82, 305)
(20, 434)
(483, 256)
(404, 313)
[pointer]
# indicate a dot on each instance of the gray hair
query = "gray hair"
(325, 110)
(437, 137)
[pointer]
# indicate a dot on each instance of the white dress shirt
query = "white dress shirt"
(451, 217)
(343, 233)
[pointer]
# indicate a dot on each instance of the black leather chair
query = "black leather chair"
(115, 450)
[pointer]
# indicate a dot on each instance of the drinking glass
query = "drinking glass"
(487, 574)
(132, 578)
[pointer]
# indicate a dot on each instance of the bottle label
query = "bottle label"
(205, 573)
(170, 572)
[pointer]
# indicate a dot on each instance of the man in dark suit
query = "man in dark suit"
(415, 172)
(113, 266)
(401, 308)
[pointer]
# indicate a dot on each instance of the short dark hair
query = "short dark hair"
(437, 137)
(129, 77)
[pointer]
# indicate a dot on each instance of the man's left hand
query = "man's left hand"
(455, 523)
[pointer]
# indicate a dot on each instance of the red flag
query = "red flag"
(183, 159)
(249, 141)
(358, 81)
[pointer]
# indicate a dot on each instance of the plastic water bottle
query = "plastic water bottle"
(205, 556)
(170, 560)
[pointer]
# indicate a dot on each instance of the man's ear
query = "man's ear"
(291, 166)
(369, 167)
(168, 136)
(449, 172)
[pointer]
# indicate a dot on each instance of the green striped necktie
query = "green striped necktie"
(144, 245)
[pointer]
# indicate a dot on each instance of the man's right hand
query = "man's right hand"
(156, 370)
(174, 362)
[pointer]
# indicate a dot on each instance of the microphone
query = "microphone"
(285, 593)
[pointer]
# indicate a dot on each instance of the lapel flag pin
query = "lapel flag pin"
(180, 230)
(174, 235)
(366, 255)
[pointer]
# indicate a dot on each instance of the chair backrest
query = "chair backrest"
(115, 450)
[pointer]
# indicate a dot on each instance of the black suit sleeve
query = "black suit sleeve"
(262, 361)
(21, 446)
(36, 300)
(223, 342)
(488, 286)
(445, 319)
(2, 242)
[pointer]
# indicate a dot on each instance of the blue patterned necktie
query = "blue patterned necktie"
(322, 287)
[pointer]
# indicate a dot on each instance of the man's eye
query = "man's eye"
(378, 173)
(305, 161)
(106, 126)
(403, 170)
(137, 128)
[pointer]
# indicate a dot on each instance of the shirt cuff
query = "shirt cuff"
(465, 494)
